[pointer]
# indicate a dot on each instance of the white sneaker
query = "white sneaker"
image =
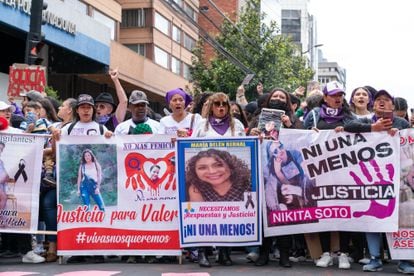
(325, 260)
(33, 258)
(252, 256)
(364, 261)
(39, 249)
(343, 261)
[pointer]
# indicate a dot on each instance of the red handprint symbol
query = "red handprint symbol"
(375, 209)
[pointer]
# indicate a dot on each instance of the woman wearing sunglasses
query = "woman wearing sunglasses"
(219, 120)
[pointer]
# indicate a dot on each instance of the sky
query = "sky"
(372, 39)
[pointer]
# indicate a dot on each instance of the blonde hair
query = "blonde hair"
(219, 96)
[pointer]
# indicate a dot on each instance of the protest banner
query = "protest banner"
(124, 202)
(23, 78)
(20, 170)
(219, 192)
(401, 242)
(327, 181)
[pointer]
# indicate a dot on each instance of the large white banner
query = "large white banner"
(401, 242)
(327, 181)
(20, 170)
(131, 209)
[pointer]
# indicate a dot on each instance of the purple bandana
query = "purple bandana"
(220, 125)
(331, 115)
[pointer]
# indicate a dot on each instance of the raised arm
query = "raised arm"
(120, 93)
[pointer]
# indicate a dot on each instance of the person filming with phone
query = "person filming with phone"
(383, 119)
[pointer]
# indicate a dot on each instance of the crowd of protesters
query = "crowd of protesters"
(209, 114)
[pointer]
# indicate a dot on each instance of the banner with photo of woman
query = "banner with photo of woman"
(401, 242)
(327, 181)
(117, 196)
(219, 191)
(20, 171)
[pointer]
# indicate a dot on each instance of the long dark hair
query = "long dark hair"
(83, 161)
(240, 172)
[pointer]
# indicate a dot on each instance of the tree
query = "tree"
(274, 59)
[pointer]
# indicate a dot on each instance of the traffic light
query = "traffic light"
(35, 37)
(35, 45)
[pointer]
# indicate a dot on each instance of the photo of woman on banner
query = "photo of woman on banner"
(89, 180)
(216, 175)
(154, 173)
(287, 186)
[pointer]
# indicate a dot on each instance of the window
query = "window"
(175, 66)
(190, 12)
(162, 24)
(139, 48)
(105, 20)
(186, 71)
(160, 57)
(189, 42)
(176, 34)
(291, 24)
(133, 18)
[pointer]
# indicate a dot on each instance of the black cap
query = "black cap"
(105, 97)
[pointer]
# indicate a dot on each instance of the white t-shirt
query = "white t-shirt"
(81, 129)
(123, 128)
(11, 130)
(170, 126)
(199, 130)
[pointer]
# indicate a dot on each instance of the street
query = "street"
(114, 266)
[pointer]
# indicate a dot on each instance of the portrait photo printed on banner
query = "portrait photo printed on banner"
(20, 168)
(219, 191)
(330, 182)
(87, 176)
(119, 194)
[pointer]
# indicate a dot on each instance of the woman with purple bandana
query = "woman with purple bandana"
(219, 122)
(180, 122)
(332, 113)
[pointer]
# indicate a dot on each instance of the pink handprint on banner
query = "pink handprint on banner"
(375, 209)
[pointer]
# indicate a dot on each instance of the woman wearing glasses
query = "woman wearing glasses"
(219, 120)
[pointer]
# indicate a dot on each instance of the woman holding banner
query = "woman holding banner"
(278, 99)
(332, 113)
(219, 122)
(383, 120)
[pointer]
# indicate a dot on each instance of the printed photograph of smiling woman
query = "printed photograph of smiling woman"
(216, 175)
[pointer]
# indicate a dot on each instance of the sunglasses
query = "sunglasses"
(218, 103)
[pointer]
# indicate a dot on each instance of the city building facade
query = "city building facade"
(149, 42)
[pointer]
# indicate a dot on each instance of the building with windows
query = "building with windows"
(331, 71)
(149, 41)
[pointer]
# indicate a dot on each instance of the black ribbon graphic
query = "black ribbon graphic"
(21, 171)
(249, 201)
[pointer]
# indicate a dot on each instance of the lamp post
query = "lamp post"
(312, 55)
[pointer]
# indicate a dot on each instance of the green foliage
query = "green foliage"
(275, 59)
(70, 158)
(52, 93)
